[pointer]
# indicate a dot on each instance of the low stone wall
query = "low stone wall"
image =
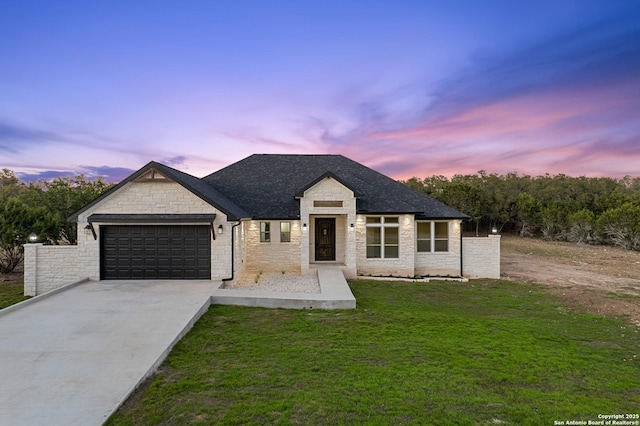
(481, 257)
(49, 267)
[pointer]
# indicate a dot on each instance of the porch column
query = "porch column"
(304, 240)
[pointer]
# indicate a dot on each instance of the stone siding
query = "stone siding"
(157, 198)
(481, 257)
(441, 263)
(50, 267)
(329, 189)
(403, 266)
(272, 256)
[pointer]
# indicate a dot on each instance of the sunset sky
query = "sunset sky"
(409, 88)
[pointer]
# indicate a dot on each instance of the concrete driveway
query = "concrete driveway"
(73, 357)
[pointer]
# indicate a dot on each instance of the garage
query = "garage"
(154, 246)
(155, 252)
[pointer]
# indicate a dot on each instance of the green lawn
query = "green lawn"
(11, 292)
(483, 352)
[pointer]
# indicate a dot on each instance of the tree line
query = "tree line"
(41, 208)
(556, 207)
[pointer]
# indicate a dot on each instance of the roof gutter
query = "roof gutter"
(233, 250)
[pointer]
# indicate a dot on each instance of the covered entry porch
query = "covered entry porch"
(331, 240)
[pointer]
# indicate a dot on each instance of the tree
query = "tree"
(582, 227)
(621, 226)
(10, 185)
(526, 209)
(63, 196)
(17, 221)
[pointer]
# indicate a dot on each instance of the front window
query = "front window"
(433, 237)
(265, 232)
(383, 237)
(285, 232)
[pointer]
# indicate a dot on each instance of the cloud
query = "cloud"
(528, 109)
(174, 161)
(14, 138)
(110, 174)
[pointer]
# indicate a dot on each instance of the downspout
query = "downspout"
(461, 262)
(233, 250)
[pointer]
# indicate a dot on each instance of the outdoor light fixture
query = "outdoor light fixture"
(304, 227)
(220, 229)
(33, 237)
(351, 227)
(494, 230)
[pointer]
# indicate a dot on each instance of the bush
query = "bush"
(621, 226)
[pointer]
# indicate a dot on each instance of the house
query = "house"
(265, 213)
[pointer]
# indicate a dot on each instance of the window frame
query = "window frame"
(381, 223)
(285, 236)
(433, 239)
(265, 232)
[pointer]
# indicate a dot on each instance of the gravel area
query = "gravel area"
(278, 282)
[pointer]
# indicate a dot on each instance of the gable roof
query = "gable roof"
(193, 184)
(268, 186)
(265, 186)
(302, 190)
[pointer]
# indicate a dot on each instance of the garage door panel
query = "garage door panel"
(155, 252)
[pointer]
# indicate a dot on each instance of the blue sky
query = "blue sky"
(410, 88)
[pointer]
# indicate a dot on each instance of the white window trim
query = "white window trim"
(383, 225)
(289, 232)
(266, 232)
(432, 235)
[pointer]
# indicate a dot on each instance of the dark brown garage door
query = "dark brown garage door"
(155, 252)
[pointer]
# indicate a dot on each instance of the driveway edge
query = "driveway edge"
(39, 297)
(154, 367)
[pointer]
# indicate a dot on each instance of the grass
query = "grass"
(11, 292)
(483, 352)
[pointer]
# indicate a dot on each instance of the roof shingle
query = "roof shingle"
(265, 186)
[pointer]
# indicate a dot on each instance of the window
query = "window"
(265, 232)
(383, 237)
(285, 232)
(433, 236)
(441, 240)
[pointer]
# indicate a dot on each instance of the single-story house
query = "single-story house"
(265, 213)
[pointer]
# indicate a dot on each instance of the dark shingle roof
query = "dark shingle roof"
(265, 186)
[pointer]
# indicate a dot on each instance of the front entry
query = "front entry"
(325, 238)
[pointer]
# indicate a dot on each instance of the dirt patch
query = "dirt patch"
(603, 280)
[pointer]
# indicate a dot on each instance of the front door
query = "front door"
(325, 238)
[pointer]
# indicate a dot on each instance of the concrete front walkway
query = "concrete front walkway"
(73, 357)
(334, 294)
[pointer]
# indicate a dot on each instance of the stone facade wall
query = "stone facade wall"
(329, 189)
(403, 266)
(481, 257)
(156, 198)
(50, 267)
(272, 256)
(442, 263)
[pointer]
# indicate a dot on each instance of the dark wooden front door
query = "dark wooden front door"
(325, 238)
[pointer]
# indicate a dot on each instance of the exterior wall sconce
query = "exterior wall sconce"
(220, 228)
(352, 227)
(304, 227)
(33, 237)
